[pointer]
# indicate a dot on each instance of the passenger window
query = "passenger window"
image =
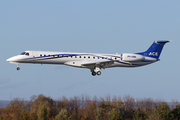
(115, 58)
(79, 56)
(93, 57)
(44, 55)
(89, 57)
(49, 55)
(102, 57)
(84, 56)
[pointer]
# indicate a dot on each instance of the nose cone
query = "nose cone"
(9, 59)
(12, 59)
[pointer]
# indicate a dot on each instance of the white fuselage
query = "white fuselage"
(77, 59)
(93, 61)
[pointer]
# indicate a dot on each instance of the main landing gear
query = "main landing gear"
(96, 73)
(93, 73)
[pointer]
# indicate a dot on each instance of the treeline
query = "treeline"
(84, 108)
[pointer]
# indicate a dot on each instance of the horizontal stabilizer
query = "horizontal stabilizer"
(162, 42)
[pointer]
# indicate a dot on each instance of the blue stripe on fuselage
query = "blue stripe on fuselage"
(65, 55)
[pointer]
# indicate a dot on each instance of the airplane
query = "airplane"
(93, 61)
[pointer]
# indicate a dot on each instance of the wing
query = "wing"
(94, 64)
(91, 64)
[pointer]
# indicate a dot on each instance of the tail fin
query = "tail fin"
(155, 49)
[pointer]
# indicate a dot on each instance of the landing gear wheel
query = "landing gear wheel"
(18, 68)
(93, 73)
(98, 72)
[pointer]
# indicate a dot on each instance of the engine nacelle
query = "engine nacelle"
(128, 57)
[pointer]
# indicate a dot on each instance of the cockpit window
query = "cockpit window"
(24, 53)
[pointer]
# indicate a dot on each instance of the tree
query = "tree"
(25, 115)
(155, 116)
(16, 107)
(176, 112)
(129, 106)
(89, 110)
(63, 115)
(42, 113)
(139, 115)
(115, 115)
(163, 110)
(102, 109)
(145, 105)
(38, 103)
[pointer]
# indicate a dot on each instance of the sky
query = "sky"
(96, 26)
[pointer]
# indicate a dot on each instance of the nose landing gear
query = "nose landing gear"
(18, 68)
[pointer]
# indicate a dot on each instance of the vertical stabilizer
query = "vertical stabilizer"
(154, 50)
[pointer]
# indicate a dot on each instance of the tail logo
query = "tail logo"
(153, 53)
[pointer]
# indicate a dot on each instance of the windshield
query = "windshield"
(24, 53)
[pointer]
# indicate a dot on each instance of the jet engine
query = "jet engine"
(128, 57)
